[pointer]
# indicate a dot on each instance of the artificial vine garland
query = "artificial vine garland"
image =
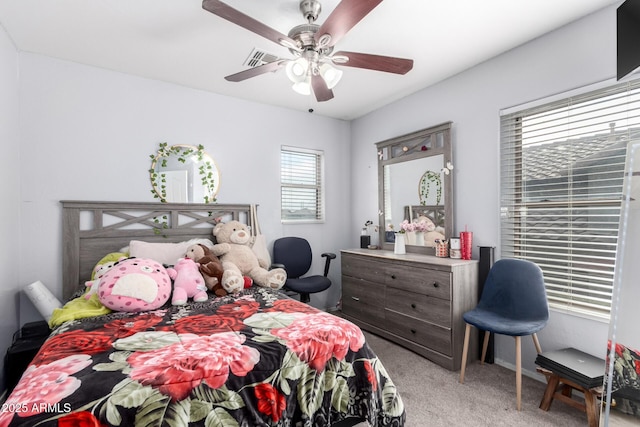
(423, 187)
(182, 153)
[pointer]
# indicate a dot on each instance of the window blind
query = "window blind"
(562, 171)
(301, 184)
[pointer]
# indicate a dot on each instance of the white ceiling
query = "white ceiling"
(177, 41)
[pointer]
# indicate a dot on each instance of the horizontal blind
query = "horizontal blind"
(301, 184)
(562, 171)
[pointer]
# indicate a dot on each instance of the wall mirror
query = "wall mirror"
(184, 174)
(622, 382)
(415, 180)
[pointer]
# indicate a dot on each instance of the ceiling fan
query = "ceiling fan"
(312, 46)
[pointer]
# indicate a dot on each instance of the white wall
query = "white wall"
(579, 54)
(9, 191)
(87, 134)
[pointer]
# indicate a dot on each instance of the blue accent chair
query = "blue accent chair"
(514, 303)
(294, 255)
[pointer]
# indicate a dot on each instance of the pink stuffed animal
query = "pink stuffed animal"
(187, 282)
(98, 271)
(135, 284)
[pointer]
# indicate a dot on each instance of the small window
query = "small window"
(301, 178)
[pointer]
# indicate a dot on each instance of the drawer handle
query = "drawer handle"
(436, 285)
(393, 276)
(413, 331)
(355, 298)
(413, 306)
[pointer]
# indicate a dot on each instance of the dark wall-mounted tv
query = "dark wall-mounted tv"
(628, 37)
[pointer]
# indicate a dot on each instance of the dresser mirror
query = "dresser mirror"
(184, 174)
(415, 181)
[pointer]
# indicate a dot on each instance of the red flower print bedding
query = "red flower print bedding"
(257, 358)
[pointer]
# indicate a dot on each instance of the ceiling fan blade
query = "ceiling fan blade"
(256, 71)
(343, 18)
(235, 16)
(387, 64)
(320, 89)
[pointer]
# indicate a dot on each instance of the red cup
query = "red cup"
(466, 244)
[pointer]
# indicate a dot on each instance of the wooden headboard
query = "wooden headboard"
(433, 212)
(91, 230)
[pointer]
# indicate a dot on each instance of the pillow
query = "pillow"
(164, 253)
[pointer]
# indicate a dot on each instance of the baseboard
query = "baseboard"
(527, 373)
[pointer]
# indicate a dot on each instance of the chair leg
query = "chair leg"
(536, 343)
(518, 373)
(465, 350)
(485, 345)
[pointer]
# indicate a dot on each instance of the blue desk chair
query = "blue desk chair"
(513, 302)
(294, 255)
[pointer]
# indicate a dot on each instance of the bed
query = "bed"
(256, 358)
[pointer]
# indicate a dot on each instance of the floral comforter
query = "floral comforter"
(255, 359)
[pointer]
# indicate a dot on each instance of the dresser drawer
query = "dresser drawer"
(424, 333)
(363, 300)
(420, 306)
(425, 281)
(362, 268)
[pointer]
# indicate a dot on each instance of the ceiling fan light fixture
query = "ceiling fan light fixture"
(312, 46)
(330, 74)
(303, 87)
(297, 70)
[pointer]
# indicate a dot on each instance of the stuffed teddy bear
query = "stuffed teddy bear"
(234, 249)
(431, 233)
(187, 282)
(135, 284)
(210, 267)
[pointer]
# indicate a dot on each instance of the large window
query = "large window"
(562, 169)
(301, 178)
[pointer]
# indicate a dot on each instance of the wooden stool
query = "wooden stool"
(562, 389)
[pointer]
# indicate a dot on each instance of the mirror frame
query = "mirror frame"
(432, 141)
(208, 173)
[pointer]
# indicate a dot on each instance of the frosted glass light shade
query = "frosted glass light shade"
(297, 70)
(330, 75)
(303, 88)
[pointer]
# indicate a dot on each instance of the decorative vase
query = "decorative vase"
(410, 238)
(398, 247)
(419, 238)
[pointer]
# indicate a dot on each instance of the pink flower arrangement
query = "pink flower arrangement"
(407, 226)
(421, 226)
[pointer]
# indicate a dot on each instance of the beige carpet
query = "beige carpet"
(433, 396)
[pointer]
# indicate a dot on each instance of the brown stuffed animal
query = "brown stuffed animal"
(210, 267)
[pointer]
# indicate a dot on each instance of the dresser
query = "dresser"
(414, 300)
